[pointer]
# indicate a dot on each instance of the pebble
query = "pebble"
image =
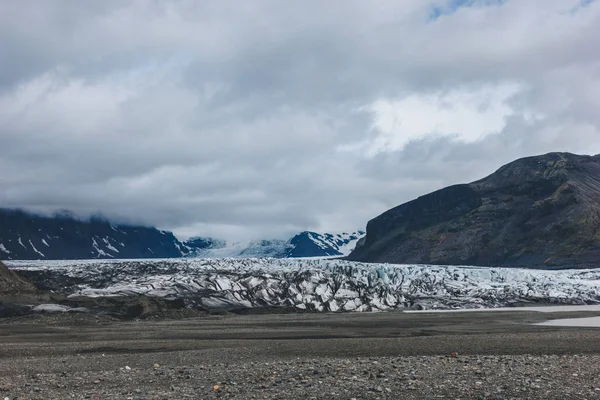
(384, 378)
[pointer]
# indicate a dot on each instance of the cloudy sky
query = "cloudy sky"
(261, 118)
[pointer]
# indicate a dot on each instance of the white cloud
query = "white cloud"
(464, 114)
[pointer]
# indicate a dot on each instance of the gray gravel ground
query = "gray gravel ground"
(349, 356)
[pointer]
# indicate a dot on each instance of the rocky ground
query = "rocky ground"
(493, 355)
(426, 377)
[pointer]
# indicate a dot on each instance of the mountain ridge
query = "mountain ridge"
(539, 211)
(27, 236)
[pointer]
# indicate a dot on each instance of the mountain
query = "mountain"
(312, 244)
(541, 211)
(200, 243)
(305, 244)
(24, 236)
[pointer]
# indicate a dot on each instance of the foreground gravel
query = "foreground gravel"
(293, 357)
(427, 377)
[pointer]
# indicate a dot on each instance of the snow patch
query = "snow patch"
(36, 250)
(110, 246)
(99, 250)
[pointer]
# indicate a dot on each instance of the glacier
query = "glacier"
(302, 245)
(320, 285)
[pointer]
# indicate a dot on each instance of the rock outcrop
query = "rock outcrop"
(11, 283)
(541, 211)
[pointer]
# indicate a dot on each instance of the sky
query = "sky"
(263, 118)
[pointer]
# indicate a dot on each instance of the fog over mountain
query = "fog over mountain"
(262, 119)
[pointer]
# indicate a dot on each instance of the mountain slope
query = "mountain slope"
(11, 283)
(541, 211)
(25, 236)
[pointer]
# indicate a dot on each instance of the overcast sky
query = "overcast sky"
(262, 118)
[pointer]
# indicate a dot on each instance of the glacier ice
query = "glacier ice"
(315, 285)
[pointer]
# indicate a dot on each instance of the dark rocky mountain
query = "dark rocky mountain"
(541, 211)
(24, 236)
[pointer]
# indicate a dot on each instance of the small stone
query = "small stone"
(156, 366)
(454, 354)
(128, 368)
(216, 388)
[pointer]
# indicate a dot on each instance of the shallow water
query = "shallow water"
(590, 322)
(543, 309)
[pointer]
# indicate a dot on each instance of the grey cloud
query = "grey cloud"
(230, 118)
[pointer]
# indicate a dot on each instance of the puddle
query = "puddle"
(590, 322)
(543, 309)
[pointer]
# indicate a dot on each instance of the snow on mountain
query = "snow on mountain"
(305, 244)
(314, 285)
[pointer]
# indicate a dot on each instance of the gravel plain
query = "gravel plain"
(498, 355)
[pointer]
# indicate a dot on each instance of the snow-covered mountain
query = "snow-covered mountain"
(25, 236)
(315, 285)
(305, 244)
